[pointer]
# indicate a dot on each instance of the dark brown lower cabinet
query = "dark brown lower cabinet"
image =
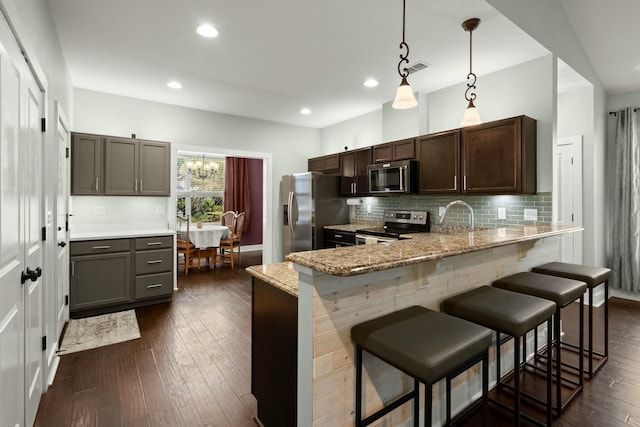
(274, 354)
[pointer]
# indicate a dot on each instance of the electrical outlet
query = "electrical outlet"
(531, 214)
(440, 210)
(368, 209)
(99, 210)
(502, 213)
(159, 209)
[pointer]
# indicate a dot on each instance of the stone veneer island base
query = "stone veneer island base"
(304, 310)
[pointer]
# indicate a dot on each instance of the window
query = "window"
(200, 187)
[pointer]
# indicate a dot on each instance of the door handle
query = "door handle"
(30, 275)
(62, 244)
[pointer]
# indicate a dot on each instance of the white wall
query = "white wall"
(289, 146)
(546, 21)
(361, 131)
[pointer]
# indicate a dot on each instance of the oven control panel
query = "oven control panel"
(406, 217)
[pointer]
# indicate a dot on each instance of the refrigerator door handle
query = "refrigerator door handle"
(289, 210)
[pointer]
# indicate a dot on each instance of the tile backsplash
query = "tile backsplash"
(485, 208)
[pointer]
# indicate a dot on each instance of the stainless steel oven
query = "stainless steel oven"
(396, 223)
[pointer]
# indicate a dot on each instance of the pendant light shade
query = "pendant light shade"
(471, 116)
(404, 95)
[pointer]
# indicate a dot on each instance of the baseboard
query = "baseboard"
(250, 248)
(624, 294)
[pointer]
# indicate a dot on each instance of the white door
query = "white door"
(33, 288)
(21, 251)
(568, 196)
(11, 238)
(62, 226)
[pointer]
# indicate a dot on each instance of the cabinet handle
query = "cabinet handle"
(73, 268)
(338, 236)
(455, 182)
(140, 185)
(135, 186)
(154, 243)
(155, 261)
(102, 247)
(157, 285)
(97, 182)
(465, 183)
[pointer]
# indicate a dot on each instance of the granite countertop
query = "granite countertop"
(281, 275)
(345, 227)
(420, 247)
(82, 232)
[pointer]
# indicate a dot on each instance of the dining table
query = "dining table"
(207, 236)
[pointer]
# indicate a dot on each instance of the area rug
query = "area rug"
(98, 331)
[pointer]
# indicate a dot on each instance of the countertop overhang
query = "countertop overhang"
(420, 247)
(82, 232)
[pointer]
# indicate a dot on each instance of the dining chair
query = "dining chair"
(227, 246)
(184, 246)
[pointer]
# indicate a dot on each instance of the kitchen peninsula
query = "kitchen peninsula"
(303, 310)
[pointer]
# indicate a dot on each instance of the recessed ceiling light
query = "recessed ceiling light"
(371, 83)
(174, 85)
(206, 30)
(305, 111)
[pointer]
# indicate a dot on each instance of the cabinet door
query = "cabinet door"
(439, 157)
(363, 159)
(155, 167)
(382, 153)
(121, 166)
(492, 157)
(100, 280)
(348, 161)
(315, 164)
(86, 164)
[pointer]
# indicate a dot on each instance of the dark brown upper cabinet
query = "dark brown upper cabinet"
(439, 157)
(403, 149)
(326, 164)
(86, 165)
(355, 181)
(500, 157)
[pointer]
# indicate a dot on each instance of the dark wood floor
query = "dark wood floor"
(192, 366)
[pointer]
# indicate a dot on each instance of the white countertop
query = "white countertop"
(81, 232)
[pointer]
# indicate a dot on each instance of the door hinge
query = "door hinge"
(572, 160)
(44, 233)
(43, 124)
(66, 300)
(44, 343)
(66, 152)
(571, 217)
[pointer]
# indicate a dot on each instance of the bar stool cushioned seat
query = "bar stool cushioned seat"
(510, 313)
(562, 292)
(425, 344)
(593, 277)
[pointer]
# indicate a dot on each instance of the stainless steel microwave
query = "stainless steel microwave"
(393, 177)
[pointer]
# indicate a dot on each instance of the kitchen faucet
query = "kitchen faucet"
(472, 220)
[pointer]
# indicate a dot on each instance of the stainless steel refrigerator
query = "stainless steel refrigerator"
(310, 200)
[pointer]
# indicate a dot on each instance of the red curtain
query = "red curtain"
(236, 188)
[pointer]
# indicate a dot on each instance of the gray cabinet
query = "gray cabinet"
(112, 166)
(136, 168)
(110, 275)
(154, 267)
(86, 165)
(100, 274)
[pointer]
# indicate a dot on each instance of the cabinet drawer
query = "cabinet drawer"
(156, 261)
(100, 246)
(342, 237)
(153, 285)
(160, 242)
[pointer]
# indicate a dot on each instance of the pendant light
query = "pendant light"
(404, 96)
(471, 116)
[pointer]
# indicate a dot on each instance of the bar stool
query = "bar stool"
(512, 314)
(426, 345)
(562, 292)
(593, 277)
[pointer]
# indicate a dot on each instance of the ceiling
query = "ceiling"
(274, 58)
